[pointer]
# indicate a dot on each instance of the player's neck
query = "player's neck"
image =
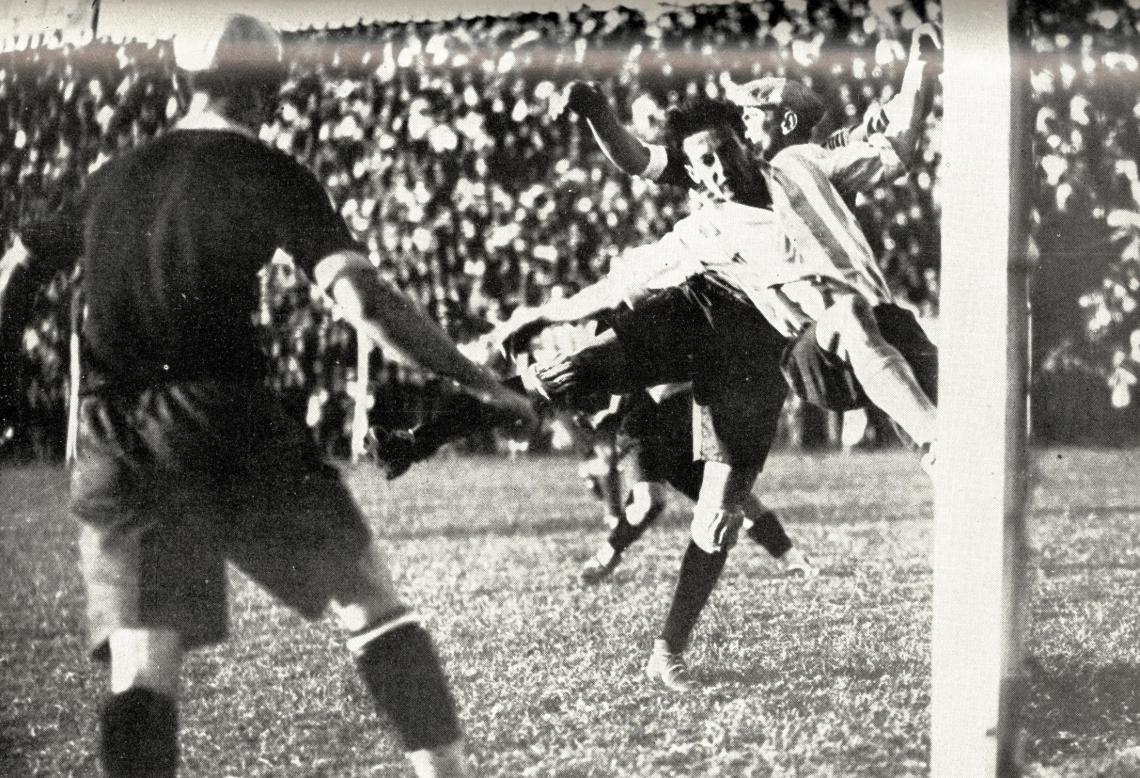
(207, 114)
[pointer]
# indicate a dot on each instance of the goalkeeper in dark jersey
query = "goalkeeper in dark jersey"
(185, 461)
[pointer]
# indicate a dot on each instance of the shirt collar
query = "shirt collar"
(206, 119)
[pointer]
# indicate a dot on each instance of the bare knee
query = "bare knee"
(719, 515)
(369, 595)
(149, 658)
(648, 500)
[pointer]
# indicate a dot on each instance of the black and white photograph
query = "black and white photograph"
(544, 388)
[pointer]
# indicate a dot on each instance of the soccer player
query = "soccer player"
(859, 346)
(184, 459)
(853, 345)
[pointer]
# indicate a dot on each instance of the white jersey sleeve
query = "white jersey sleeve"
(857, 166)
(642, 270)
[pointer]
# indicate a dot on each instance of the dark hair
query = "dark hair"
(700, 113)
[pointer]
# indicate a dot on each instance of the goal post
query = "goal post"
(980, 485)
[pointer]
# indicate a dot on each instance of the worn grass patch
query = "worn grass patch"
(828, 677)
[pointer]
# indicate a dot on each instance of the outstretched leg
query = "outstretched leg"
(848, 329)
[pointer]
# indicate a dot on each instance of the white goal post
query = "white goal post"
(980, 483)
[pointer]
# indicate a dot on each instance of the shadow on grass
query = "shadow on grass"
(15, 745)
(1080, 709)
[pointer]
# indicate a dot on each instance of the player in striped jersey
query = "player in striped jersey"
(859, 346)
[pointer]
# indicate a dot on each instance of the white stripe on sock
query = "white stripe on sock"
(358, 642)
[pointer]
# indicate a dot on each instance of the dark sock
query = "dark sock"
(625, 534)
(767, 530)
(700, 571)
(139, 735)
(407, 684)
(461, 415)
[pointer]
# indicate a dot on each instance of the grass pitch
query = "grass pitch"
(828, 677)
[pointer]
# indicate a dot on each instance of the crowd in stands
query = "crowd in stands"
(437, 144)
(1083, 71)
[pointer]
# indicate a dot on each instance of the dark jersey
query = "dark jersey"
(172, 236)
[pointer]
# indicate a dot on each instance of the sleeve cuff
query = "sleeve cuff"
(658, 159)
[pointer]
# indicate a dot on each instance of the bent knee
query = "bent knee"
(647, 504)
(715, 530)
(367, 593)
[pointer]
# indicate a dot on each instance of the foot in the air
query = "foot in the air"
(394, 451)
(600, 565)
(668, 669)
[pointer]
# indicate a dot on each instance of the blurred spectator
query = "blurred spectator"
(437, 145)
(1085, 220)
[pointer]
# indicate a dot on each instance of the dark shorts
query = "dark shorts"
(732, 356)
(823, 379)
(174, 481)
(655, 442)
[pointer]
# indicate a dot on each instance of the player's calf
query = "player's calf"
(138, 723)
(138, 735)
(646, 504)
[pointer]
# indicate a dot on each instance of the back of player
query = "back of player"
(177, 231)
(185, 460)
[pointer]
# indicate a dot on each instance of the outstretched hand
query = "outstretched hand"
(515, 334)
(926, 45)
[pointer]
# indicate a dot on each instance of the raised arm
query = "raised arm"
(900, 119)
(619, 145)
(594, 301)
(905, 113)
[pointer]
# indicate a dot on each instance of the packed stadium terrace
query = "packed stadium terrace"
(1084, 66)
(436, 143)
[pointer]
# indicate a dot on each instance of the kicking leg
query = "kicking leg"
(848, 328)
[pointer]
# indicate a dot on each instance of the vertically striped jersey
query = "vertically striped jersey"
(825, 241)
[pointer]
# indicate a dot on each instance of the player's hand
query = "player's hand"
(514, 335)
(583, 98)
(926, 45)
(558, 376)
(510, 405)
